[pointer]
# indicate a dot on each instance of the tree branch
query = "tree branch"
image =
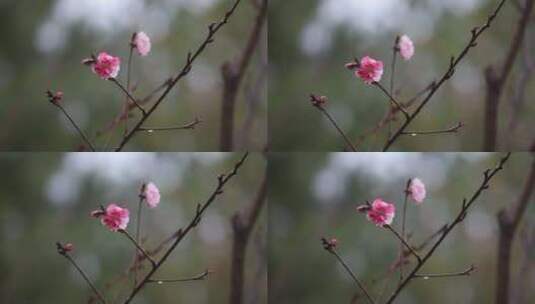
(62, 251)
(212, 30)
(80, 132)
(179, 235)
(318, 102)
(454, 61)
(465, 272)
(233, 74)
(330, 247)
(242, 226)
(496, 80)
(487, 177)
(509, 221)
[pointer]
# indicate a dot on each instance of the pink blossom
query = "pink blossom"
(68, 247)
(406, 47)
(114, 217)
(333, 242)
(142, 43)
(370, 70)
(55, 97)
(416, 190)
(151, 194)
(381, 213)
(105, 65)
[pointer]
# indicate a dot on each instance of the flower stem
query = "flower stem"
(84, 137)
(86, 278)
(403, 220)
(392, 76)
(353, 276)
(404, 243)
(392, 99)
(348, 142)
(129, 95)
(138, 246)
(138, 231)
(128, 73)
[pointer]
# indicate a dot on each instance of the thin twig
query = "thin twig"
(333, 122)
(391, 115)
(487, 177)
(392, 99)
(198, 277)
(466, 272)
(62, 252)
(84, 137)
(123, 115)
(186, 68)
(188, 126)
(138, 231)
(409, 247)
(454, 61)
(395, 50)
(453, 129)
(179, 235)
(129, 95)
(330, 248)
(403, 219)
(138, 247)
(318, 102)
(128, 77)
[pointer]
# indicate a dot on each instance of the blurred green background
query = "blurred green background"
(48, 197)
(314, 195)
(45, 41)
(311, 40)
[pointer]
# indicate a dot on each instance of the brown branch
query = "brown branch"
(138, 246)
(55, 100)
(124, 114)
(518, 98)
(128, 77)
(405, 243)
(199, 277)
(132, 98)
(392, 99)
(188, 126)
(181, 233)
(233, 74)
(403, 235)
(330, 247)
(62, 251)
(391, 114)
(509, 221)
(487, 177)
(242, 226)
(465, 272)
(318, 102)
(212, 30)
(454, 61)
(453, 129)
(496, 80)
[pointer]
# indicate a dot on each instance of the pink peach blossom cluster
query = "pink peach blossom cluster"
(107, 66)
(382, 213)
(371, 70)
(116, 218)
